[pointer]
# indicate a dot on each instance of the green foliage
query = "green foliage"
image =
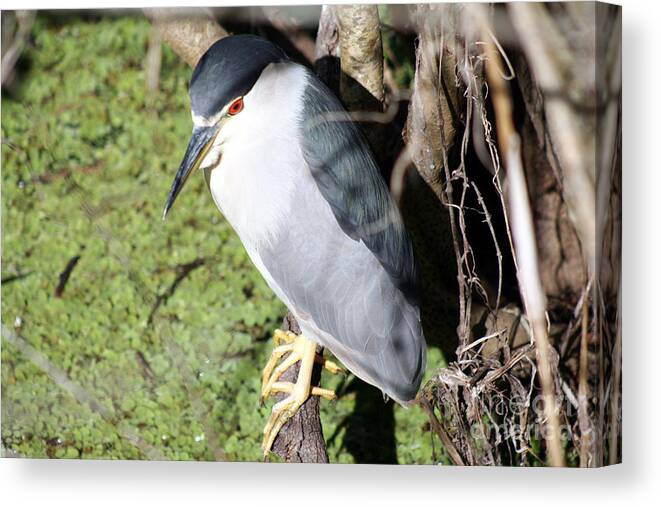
(88, 156)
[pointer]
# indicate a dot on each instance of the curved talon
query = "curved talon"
(276, 354)
(280, 336)
(288, 387)
(329, 365)
(288, 362)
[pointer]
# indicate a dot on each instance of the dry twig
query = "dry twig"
(524, 241)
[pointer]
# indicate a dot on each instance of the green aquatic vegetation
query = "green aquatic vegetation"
(165, 325)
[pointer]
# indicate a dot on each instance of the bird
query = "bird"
(296, 179)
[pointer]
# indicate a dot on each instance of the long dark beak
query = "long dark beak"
(200, 142)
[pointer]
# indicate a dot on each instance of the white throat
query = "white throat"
(254, 164)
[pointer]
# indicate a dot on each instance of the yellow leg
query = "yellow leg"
(300, 349)
(294, 345)
(300, 391)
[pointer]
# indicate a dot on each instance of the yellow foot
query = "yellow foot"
(288, 387)
(280, 337)
(294, 345)
(300, 349)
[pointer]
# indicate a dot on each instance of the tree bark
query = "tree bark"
(361, 54)
(188, 33)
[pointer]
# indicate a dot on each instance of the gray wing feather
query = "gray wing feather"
(347, 302)
(348, 177)
(347, 273)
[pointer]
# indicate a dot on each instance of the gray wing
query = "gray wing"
(347, 272)
(348, 177)
(344, 299)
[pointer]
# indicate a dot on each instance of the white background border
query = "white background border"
(100, 483)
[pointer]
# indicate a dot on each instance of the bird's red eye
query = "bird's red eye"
(236, 106)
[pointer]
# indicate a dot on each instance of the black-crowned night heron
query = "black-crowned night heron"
(297, 181)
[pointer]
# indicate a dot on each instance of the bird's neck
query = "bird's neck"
(254, 182)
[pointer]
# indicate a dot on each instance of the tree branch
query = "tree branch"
(327, 50)
(278, 17)
(361, 52)
(564, 80)
(189, 33)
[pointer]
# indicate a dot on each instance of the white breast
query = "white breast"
(260, 163)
